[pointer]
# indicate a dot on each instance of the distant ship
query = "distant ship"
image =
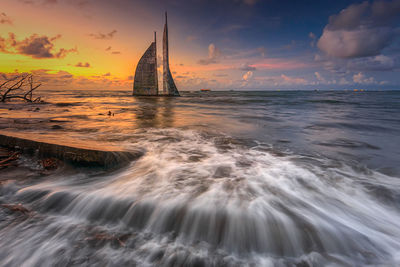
(146, 78)
(205, 90)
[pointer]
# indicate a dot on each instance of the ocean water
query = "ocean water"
(296, 178)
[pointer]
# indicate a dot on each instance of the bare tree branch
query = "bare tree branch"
(24, 83)
(8, 81)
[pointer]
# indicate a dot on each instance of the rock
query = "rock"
(59, 120)
(50, 163)
(76, 155)
(56, 127)
(222, 171)
(10, 160)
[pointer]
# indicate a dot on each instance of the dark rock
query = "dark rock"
(56, 127)
(50, 163)
(82, 156)
(222, 171)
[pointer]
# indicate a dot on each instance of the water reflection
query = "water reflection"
(361, 126)
(154, 112)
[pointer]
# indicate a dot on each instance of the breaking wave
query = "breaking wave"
(202, 199)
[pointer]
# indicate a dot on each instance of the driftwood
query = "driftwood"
(19, 87)
(16, 207)
(9, 161)
(101, 237)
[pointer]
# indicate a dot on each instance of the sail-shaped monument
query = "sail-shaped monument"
(169, 87)
(146, 77)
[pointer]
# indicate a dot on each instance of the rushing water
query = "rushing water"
(226, 179)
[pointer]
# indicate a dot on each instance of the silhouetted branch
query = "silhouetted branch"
(22, 88)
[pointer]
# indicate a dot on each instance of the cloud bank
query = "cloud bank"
(361, 30)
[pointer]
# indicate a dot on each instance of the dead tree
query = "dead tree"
(19, 87)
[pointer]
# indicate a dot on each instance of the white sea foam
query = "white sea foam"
(198, 198)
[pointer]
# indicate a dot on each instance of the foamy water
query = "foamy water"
(200, 196)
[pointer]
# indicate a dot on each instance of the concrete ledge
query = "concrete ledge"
(82, 156)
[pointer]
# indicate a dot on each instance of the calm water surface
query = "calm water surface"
(227, 179)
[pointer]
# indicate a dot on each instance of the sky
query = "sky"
(219, 44)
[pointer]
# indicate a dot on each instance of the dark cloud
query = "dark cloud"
(376, 63)
(247, 67)
(107, 74)
(361, 30)
(103, 36)
(4, 19)
(221, 75)
(112, 52)
(34, 46)
(83, 65)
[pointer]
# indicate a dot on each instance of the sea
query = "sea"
(233, 178)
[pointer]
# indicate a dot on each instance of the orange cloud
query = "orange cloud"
(34, 46)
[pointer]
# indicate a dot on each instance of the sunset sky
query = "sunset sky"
(219, 44)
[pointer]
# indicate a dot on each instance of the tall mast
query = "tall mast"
(169, 87)
(165, 56)
(155, 62)
(166, 37)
